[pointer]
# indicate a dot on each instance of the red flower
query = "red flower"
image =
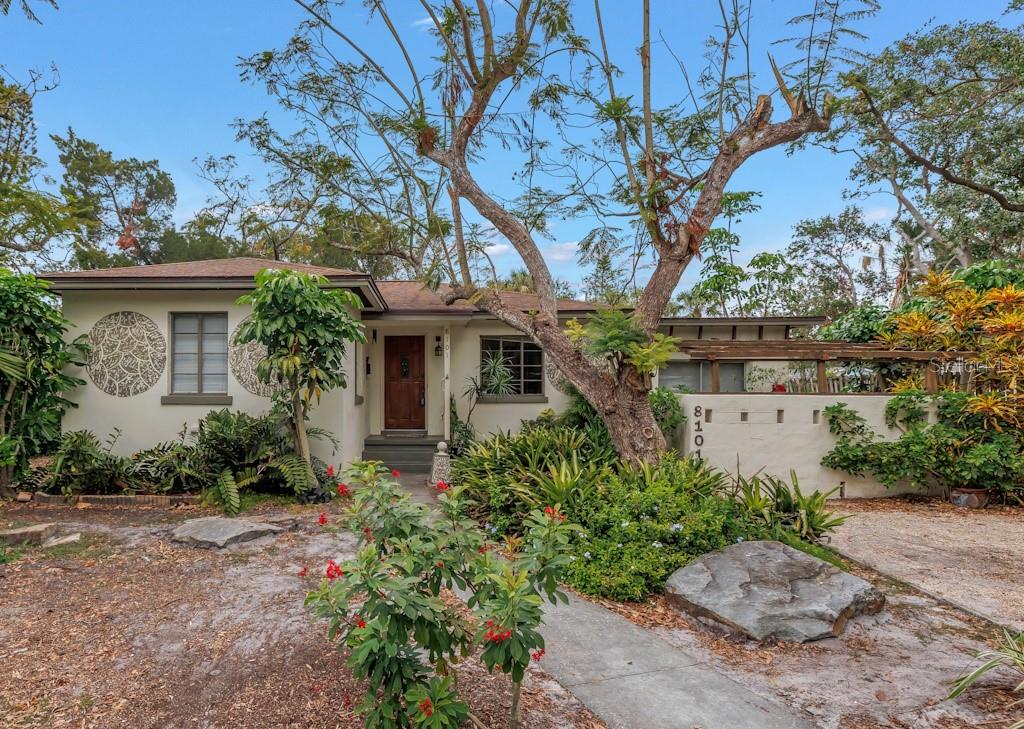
(440, 563)
(322, 519)
(330, 472)
(442, 486)
(360, 623)
(333, 570)
(343, 490)
(553, 513)
(395, 472)
(368, 534)
(426, 707)
(303, 571)
(495, 634)
(482, 549)
(537, 655)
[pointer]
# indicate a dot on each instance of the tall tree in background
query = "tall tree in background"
(121, 206)
(407, 130)
(936, 120)
(843, 262)
(30, 218)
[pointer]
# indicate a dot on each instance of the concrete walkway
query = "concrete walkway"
(634, 680)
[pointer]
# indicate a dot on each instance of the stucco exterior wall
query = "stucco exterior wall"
(492, 417)
(143, 419)
(775, 433)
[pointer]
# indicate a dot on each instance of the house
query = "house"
(162, 357)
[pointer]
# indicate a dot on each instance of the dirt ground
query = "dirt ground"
(893, 669)
(126, 629)
(971, 557)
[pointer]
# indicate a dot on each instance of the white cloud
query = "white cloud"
(562, 251)
(879, 214)
(425, 23)
(497, 249)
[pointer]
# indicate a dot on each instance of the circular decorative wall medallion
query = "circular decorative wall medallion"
(244, 359)
(128, 353)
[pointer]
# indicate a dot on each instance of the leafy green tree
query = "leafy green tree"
(935, 119)
(121, 206)
(33, 381)
(843, 260)
(30, 218)
(590, 144)
(305, 328)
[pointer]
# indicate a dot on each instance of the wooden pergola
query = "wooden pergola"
(809, 350)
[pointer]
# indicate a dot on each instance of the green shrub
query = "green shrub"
(645, 523)
(235, 451)
(168, 467)
(386, 609)
(84, 465)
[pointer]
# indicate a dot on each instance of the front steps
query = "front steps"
(408, 451)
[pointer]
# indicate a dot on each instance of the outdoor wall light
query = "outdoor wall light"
(367, 366)
(438, 349)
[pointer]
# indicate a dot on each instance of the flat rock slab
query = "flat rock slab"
(219, 531)
(767, 590)
(34, 534)
(60, 541)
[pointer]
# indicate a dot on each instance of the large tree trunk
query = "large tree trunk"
(626, 412)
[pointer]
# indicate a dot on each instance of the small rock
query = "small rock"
(768, 590)
(219, 531)
(34, 534)
(24, 496)
(58, 541)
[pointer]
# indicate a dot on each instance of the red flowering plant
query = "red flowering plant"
(386, 606)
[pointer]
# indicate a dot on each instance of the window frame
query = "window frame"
(198, 394)
(521, 379)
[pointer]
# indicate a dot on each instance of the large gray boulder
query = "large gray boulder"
(219, 531)
(768, 590)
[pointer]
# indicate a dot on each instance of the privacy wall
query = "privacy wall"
(775, 433)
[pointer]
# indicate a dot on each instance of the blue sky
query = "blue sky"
(158, 80)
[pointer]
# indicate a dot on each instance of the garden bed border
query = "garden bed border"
(117, 499)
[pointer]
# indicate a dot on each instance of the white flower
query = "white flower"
(586, 555)
(656, 544)
(625, 524)
(572, 557)
(676, 527)
(619, 545)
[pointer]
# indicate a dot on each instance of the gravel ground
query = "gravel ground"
(126, 629)
(971, 557)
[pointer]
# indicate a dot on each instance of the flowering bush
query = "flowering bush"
(387, 609)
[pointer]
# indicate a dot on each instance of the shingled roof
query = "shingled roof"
(215, 269)
(412, 297)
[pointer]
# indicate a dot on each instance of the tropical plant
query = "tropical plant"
(83, 464)
(305, 327)
(781, 504)
(1009, 654)
(34, 379)
(495, 379)
(386, 607)
(234, 451)
(168, 466)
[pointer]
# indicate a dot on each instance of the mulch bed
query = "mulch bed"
(150, 634)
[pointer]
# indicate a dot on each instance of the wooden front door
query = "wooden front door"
(404, 386)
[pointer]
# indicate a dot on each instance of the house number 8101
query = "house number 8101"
(698, 430)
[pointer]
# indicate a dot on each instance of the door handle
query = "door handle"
(423, 398)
